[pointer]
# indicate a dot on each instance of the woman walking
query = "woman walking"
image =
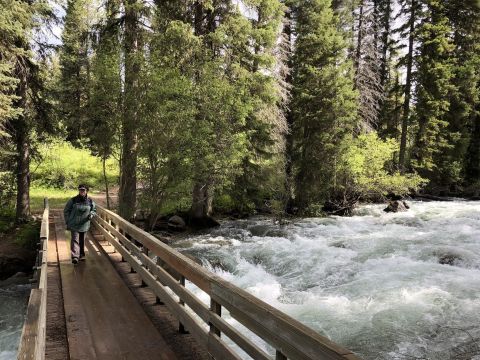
(78, 212)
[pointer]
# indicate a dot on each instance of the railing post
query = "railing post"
(181, 328)
(279, 355)
(145, 251)
(112, 225)
(119, 229)
(157, 299)
(217, 309)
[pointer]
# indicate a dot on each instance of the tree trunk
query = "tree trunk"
(23, 150)
(385, 37)
(358, 51)
(472, 169)
(408, 87)
(128, 184)
(289, 178)
(105, 179)
(201, 210)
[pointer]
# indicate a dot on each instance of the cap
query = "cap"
(82, 187)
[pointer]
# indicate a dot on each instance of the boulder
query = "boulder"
(177, 223)
(16, 279)
(449, 259)
(397, 206)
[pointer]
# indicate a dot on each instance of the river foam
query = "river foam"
(373, 282)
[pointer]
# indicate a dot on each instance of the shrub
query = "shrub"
(365, 168)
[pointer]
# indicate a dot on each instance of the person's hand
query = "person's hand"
(90, 216)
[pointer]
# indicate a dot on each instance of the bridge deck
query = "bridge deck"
(103, 318)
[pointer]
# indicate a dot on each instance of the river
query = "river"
(13, 304)
(372, 282)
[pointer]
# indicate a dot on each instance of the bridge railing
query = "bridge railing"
(32, 341)
(166, 276)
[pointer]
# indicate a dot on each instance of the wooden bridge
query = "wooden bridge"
(137, 298)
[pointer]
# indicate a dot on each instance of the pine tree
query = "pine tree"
(261, 60)
(75, 68)
(324, 102)
(133, 53)
(22, 104)
(410, 9)
(434, 87)
(105, 105)
(368, 65)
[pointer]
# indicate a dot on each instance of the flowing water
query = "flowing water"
(373, 282)
(13, 304)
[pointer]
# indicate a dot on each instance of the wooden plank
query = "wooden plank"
(187, 267)
(286, 334)
(28, 342)
(32, 341)
(279, 328)
(104, 320)
(216, 347)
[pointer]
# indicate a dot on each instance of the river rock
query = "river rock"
(16, 279)
(397, 206)
(449, 259)
(177, 223)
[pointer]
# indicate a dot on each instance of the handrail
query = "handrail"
(32, 341)
(290, 338)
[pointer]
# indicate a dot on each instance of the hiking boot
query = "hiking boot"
(82, 258)
(74, 261)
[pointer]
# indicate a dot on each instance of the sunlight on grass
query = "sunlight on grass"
(57, 198)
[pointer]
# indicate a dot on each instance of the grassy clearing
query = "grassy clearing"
(62, 166)
(57, 198)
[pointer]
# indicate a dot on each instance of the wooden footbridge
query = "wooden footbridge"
(137, 298)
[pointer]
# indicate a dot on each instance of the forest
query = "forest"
(216, 106)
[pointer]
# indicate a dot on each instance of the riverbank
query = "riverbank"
(17, 247)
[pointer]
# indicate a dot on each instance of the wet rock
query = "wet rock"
(339, 245)
(14, 263)
(16, 279)
(342, 208)
(449, 259)
(205, 222)
(397, 206)
(177, 223)
(217, 264)
(163, 236)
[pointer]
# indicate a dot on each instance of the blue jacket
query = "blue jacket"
(78, 212)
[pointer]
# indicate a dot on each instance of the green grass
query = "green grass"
(61, 165)
(57, 198)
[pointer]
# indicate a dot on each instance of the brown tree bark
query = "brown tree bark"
(128, 176)
(21, 131)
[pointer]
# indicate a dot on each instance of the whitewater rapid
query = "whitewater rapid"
(371, 282)
(13, 303)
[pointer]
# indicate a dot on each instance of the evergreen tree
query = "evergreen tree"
(105, 105)
(259, 60)
(411, 10)
(463, 116)
(324, 102)
(434, 86)
(133, 54)
(75, 67)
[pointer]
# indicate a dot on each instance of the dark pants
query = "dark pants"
(77, 244)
